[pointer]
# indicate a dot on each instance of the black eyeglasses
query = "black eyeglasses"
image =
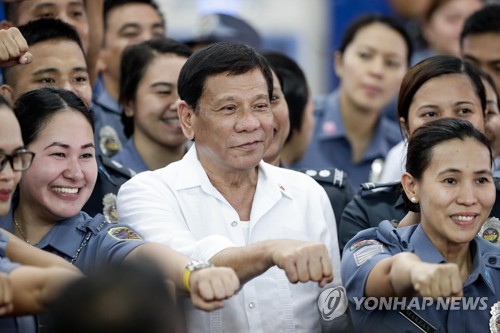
(19, 161)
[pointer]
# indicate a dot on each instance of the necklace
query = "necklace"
(18, 227)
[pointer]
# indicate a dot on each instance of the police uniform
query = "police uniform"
(413, 314)
(377, 202)
(129, 157)
(84, 241)
(108, 130)
(12, 324)
(330, 147)
(337, 187)
(111, 175)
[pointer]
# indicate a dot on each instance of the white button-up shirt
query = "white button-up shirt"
(178, 206)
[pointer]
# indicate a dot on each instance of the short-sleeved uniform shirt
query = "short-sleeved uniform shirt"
(86, 241)
(330, 147)
(415, 314)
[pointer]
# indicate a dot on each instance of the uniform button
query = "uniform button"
(234, 224)
(251, 305)
(492, 260)
(405, 244)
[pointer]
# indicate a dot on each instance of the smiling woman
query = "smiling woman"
(351, 131)
(440, 257)
(148, 93)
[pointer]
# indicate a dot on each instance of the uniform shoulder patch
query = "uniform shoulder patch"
(124, 233)
(365, 249)
(363, 243)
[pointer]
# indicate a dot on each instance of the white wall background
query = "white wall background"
(304, 20)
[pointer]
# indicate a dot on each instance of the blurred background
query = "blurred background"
(307, 30)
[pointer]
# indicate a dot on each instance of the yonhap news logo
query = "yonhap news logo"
(420, 303)
(332, 303)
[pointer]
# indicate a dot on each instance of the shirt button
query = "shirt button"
(234, 224)
(405, 244)
(492, 260)
(251, 305)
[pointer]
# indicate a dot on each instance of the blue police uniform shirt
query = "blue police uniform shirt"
(107, 114)
(129, 157)
(85, 241)
(12, 324)
(470, 314)
(330, 147)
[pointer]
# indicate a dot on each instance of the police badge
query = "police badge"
(109, 211)
(495, 318)
(491, 231)
(109, 142)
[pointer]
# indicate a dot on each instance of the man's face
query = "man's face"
(237, 108)
(56, 63)
(127, 25)
(69, 11)
(484, 51)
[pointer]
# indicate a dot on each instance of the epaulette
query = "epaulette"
(374, 187)
(110, 168)
(336, 177)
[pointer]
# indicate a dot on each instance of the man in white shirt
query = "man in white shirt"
(222, 204)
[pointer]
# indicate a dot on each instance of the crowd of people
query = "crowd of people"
(149, 184)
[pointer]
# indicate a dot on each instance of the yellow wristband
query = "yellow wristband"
(185, 279)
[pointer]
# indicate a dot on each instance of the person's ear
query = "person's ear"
(8, 93)
(128, 109)
(410, 187)
(187, 118)
(338, 64)
(404, 126)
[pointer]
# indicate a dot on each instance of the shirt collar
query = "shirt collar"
(330, 126)
(67, 235)
(109, 103)
(130, 156)
(62, 233)
(427, 252)
(269, 178)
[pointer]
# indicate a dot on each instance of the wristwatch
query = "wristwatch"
(193, 266)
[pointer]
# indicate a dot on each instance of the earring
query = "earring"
(413, 199)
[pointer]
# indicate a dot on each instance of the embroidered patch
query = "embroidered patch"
(491, 230)
(362, 243)
(123, 233)
(366, 252)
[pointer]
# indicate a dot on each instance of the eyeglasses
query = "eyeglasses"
(19, 161)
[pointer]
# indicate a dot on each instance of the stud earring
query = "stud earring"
(413, 199)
